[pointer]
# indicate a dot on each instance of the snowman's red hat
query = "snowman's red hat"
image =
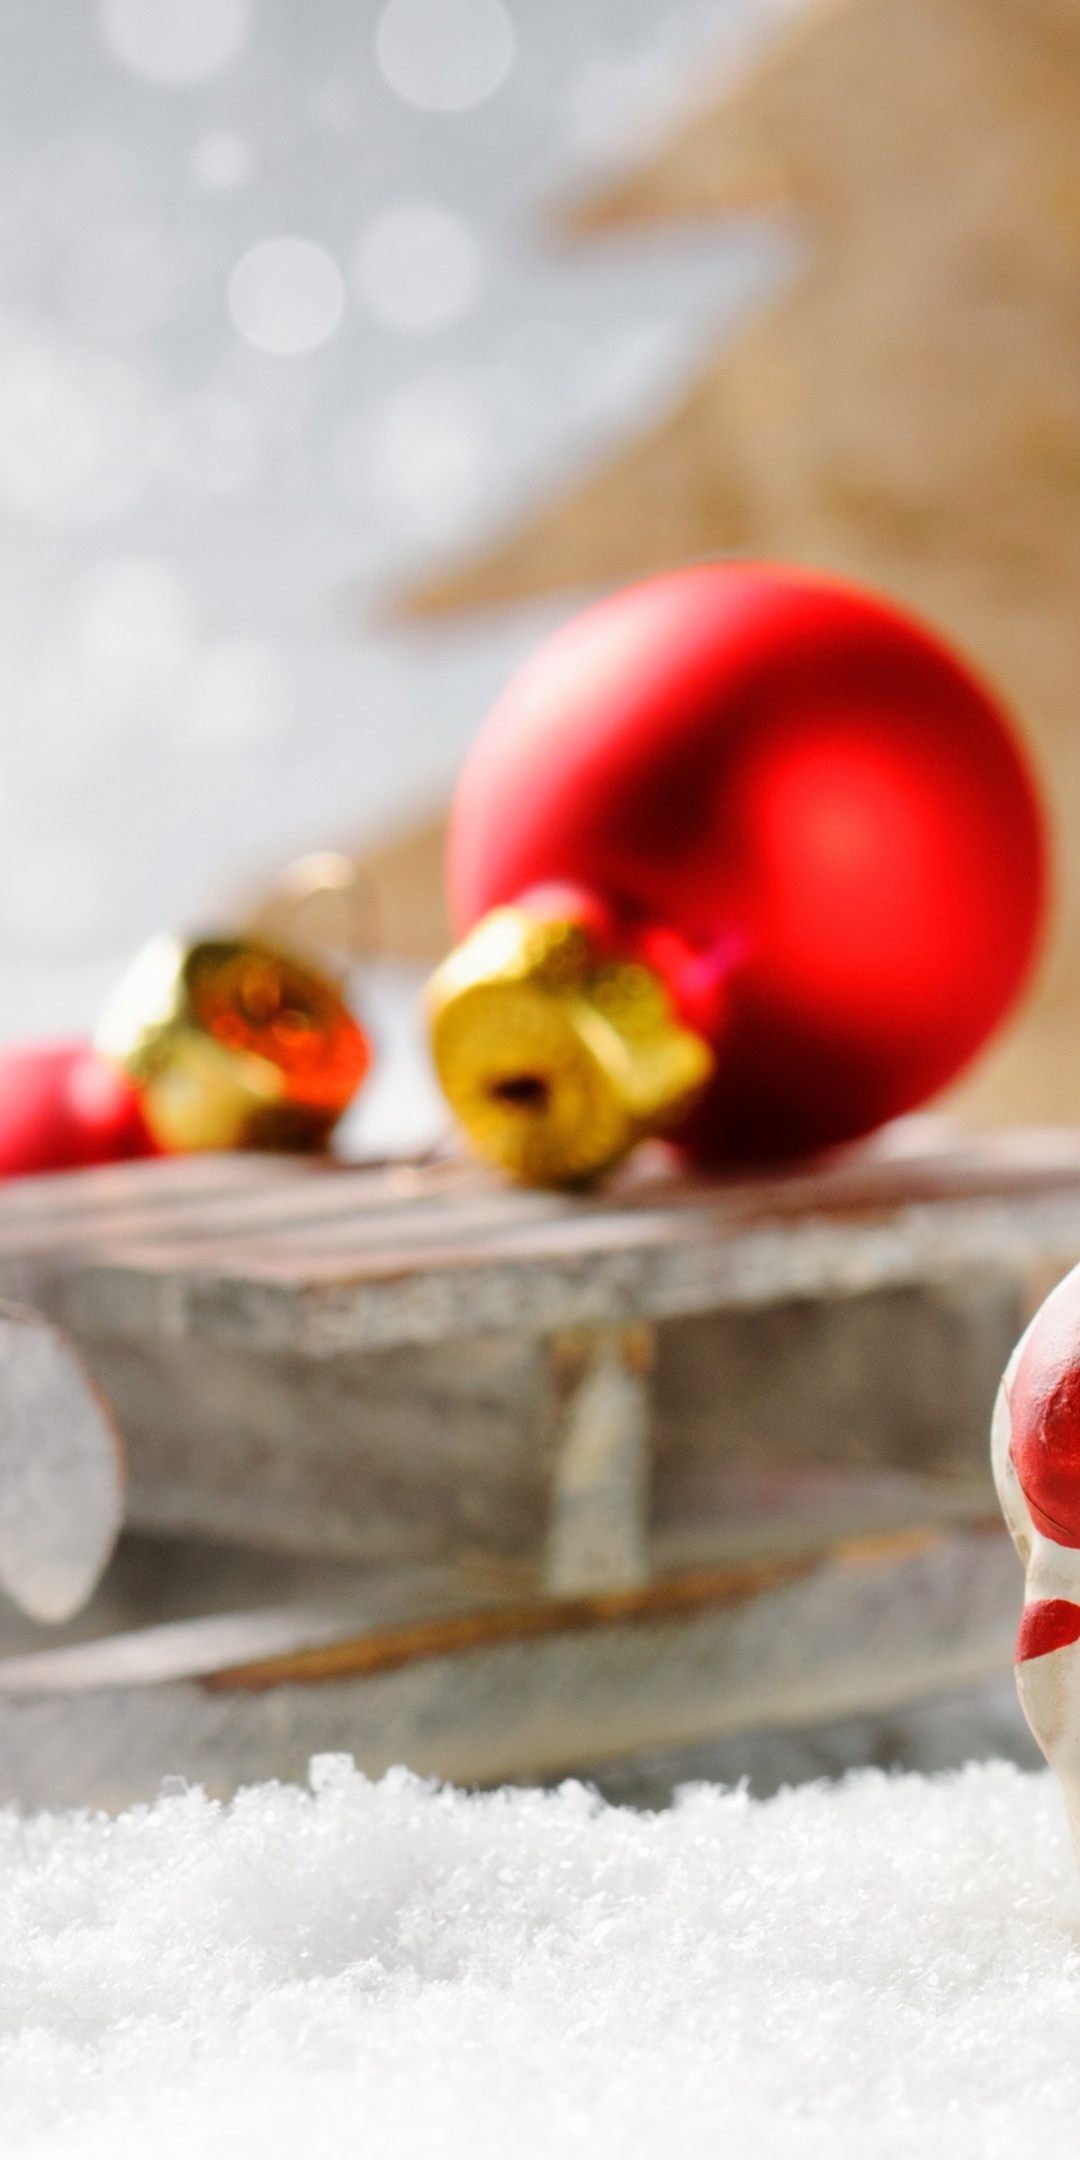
(1044, 1400)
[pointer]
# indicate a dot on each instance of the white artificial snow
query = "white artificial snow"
(887, 1967)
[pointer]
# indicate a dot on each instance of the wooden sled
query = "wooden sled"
(498, 1483)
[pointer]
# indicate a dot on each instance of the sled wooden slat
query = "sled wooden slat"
(409, 1363)
(480, 1692)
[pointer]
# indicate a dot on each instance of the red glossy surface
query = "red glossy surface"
(1044, 1408)
(797, 804)
(62, 1107)
(1048, 1624)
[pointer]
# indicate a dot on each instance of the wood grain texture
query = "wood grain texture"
(322, 1260)
(864, 1630)
(398, 1366)
(673, 1598)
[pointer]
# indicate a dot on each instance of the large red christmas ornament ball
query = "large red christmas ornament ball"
(786, 806)
(63, 1107)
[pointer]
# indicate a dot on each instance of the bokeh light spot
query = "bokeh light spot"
(286, 295)
(237, 696)
(211, 446)
(417, 268)
(175, 41)
(420, 458)
(125, 279)
(76, 432)
(445, 55)
(220, 161)
(135, 630)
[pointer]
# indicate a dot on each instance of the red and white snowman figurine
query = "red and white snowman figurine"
(1035, 1449)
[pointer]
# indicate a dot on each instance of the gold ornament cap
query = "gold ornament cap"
(233, 1044)
(554, 1059)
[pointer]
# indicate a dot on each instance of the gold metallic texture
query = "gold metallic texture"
(233, 1044)
(554, 1060)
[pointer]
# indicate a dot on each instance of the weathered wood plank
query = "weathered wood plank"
(323, 1306)
(277, 1216)
(321, 1262)
(366, 1363)
(533, 1693)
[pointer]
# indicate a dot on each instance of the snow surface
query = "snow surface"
(886, 1967)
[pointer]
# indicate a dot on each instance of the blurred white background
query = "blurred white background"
(282, 321)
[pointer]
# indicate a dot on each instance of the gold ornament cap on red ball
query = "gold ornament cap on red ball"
(555, 1059)
(233, 1043)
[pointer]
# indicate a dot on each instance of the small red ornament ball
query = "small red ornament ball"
(63, 1107)
(801, 808)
